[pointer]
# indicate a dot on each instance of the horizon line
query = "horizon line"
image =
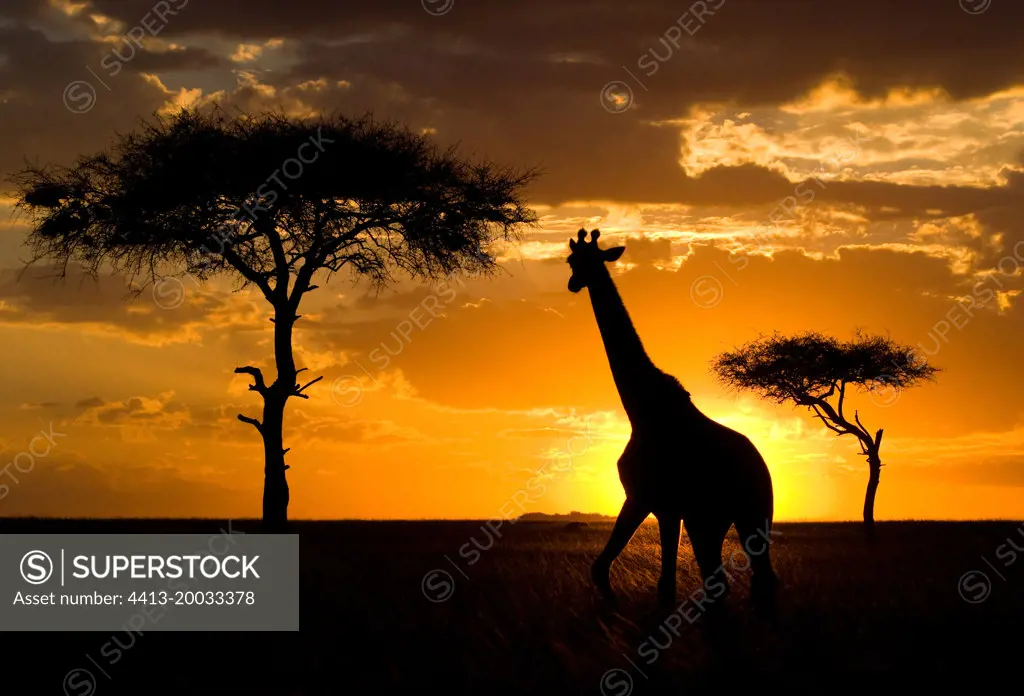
(13, 518)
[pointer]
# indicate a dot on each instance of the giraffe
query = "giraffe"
(679, 465)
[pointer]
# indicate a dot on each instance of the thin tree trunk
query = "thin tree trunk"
(275, 483)
(875, 470)
(271, 428)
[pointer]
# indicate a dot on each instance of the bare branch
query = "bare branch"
(259, 384)
(250, 274)
(828, 424)
(298, 391)
(251, 421)
(269, 230)
(314, 259)
(856, 418)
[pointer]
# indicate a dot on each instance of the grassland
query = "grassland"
(514, 613)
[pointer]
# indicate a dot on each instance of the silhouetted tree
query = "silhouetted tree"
(815, 371)
(274, 201)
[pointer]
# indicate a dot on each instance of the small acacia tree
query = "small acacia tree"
(274, 201)
(815, 371)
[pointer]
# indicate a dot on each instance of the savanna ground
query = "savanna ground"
(522, 618)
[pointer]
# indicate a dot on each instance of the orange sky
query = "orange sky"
(838, 200)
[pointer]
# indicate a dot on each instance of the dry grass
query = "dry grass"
(525, 620)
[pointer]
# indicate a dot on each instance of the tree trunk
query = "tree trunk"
(275, 483)
(875, 470)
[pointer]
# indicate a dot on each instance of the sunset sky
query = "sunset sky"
(768, 165)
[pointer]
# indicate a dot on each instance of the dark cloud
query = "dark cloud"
(644, 250)
(521, 83)
(65, 486)
(39, 125)
(885, 200)
(191, 58)
(39, 405)
(749, 49)
(159, 313)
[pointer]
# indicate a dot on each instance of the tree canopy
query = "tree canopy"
(268, 196)
(810, 365)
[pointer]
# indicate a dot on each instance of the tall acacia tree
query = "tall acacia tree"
(275, 202)
(816, 371)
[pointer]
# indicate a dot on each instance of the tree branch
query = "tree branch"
(322, 249)
(857, 430)
(257, 375)
(878, 445)
(856, 417)
(313, 259)
(267, 228)
(828, 424)
(298, 391)
(251, 421)
(248, 272)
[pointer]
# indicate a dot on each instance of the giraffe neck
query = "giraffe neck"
(631, 367)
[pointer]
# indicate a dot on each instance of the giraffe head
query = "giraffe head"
(587, 259)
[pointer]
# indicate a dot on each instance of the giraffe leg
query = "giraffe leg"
(755, 535)
(668, 528)
(754, 525)
(630, 518)
(706, 539)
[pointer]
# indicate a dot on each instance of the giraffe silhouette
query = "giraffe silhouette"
(679, 464)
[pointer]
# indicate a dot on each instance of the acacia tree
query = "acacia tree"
(816, 371)
(273, 201)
